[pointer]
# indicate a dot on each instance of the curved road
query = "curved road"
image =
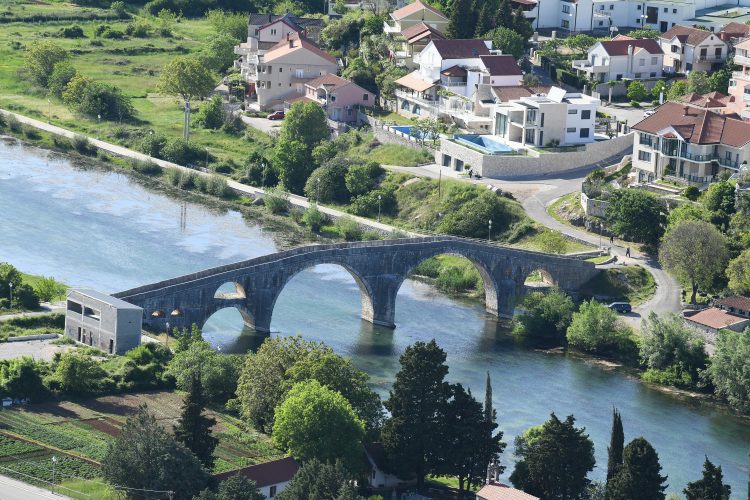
(536, 194)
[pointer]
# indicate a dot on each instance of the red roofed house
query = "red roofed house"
(733, 32)
(270, 477)
(338, 96)
(689, 144)
(711, 320)
(739, 84)
(415, 39)
(414, 13)
(692, 49)
(281, 73)
(499, 491)
(715, 101)
(622, 58)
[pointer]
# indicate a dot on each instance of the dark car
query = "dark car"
(276, 115)
(620, 307)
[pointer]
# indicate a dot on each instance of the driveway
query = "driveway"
(262, 124)
(623, 112)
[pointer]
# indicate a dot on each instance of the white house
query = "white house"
(692, 49)
(561, 117)
(622, 58)
(414, 13)
(379, 478)
(270, 478)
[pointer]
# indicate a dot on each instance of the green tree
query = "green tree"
(710, 487)
(211, 113)
(40, 60)
(317, 479)
(677, 90)
(314, 218)
(728, 369)
(554, 460)
(687, 211)
(217, 372)
(507, 40)
(235, 487)
(472, 218)
(187, 78)
(638, 477)
(504, 16)
(719, 196)
(462, 20)
(88, 97)
(718, 81)
(637, 91)
(327, 183)
(667, 344)
(22, 378)
(261, 385)
(645, 33)
(616, 444)
(412, 436)
(489, 413)
(362, 178)
(627, 210)
(317, 422)
(596, 328)
(545, 318)
(193, 428)
(304, 122)
(62, 74)
(77, 374)
(487, 13)
(145, 456)
(468, 443)
(696, 253)
(521, 24)
(217, 53)
(698, 82)
(658, 88)
(293, 162)
(233, 24)
(738, 272)
(49, 289)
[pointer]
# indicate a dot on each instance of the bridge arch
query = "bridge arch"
(220, 305)
(231, 290)
(539, 277)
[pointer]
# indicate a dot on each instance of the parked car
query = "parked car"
(648, 113)
(621, 307)
(276, 115)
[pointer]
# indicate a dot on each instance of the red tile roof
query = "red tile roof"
(737, 302)
(696, 125)
(498, 491)
(715, 318)
(461, 48)
(413, 8)
(419, 31)
(293, 42)
(501, 65)
(734, 30)
(505, 94)
(686, 34)
(329, 79)
(710, 100)
(454, 71)
(276, 472)
(619, 47)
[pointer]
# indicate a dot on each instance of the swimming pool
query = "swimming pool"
(483, 143)
(408, 130)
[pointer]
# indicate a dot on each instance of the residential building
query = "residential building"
(622, 58)
(102, 321)
(715, 101)
(378, 465)
(281, 72)
(338, 97)
(737, 305)
(499, 491)
(734, 32)
(564, 118)
(414, 13)
(689, 144)
(739, 84)
(692, 49)
(270, 478)
(709, 321)
(414, 39)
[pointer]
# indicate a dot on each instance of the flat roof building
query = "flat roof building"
(102, 321)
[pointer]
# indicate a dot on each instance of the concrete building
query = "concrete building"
(105, 322)
(269, 29)
(692, 49)
(715, 101)
(561, 117)
(282, 71)
(739, 84)
(271, 478)
(339, 97)
(415, 13)
(709, 321)
(689, 144)
(622, 58)
(413, 40)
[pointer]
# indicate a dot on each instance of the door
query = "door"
(663, 26)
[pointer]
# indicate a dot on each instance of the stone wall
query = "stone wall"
(601, 154)
(383, 134)
(595, 208)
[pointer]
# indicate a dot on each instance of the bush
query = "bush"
(180, 152)
(545, 317)
(348, 228)
(314, 218)
(61, 143)
(74, 31)
(85, 96)
(145, 167)
(331, 187)
(361, 179)
(276, 200)
(13, 124)
(211, 114)
(692, 193)
(458, 278)
(30, 132)
(61, 75)
(138, 28)
(152, 144)
(82, 145)
(635, 104)
(597, 329)
(472, 217)
(367, 204)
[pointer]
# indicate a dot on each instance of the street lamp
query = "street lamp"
(98, 126)
(379, 197)
(49, 111)
(10, 289)
(54, 462)
(317, 191)
(489, 230)
(167, 334)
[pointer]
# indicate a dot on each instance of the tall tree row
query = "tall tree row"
(476, 18)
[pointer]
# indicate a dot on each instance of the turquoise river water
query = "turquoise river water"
(103, 230)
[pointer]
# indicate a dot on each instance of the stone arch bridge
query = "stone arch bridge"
(378, 267)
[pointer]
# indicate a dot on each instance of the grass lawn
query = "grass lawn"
(599, 260)
(632, 283)
(570, 203)
(34, 281)
(85, 429)
(390, 117)
(534, 241)
(396, 154)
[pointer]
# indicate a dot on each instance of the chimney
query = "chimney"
(287, 35)
(630, 50)
(687, 108)
(291, 44)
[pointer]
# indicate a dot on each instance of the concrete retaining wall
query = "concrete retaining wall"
(601, 154)
(595, 208)
(381, 133)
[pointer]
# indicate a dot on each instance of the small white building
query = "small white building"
(270, 478)
(622, 58)
(102, 321)
(377, 461)
(565, 118)
(414, 13)
(692, 49)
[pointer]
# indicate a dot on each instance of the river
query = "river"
(103, 230)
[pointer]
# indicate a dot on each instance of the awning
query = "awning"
(414, 82)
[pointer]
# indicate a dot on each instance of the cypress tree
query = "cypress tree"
(193, 429)
(486, 15)
(521, 25)
(638, 477)
(504, 16)
(710, 487)
(463, 20)
(616, 444)
(489, 417)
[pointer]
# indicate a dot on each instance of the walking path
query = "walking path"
(536, 195)
(47, 309)
(242, 189)
(12, 489)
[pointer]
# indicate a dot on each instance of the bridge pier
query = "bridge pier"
(379, 306)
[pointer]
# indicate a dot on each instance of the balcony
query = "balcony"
(586, 66)
(698, 158)
(740, 75)
(426, 100)
(710, 58)
(243, 49)
(742, 60)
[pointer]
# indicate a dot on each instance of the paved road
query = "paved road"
(48, 309)
(10, 489)
(262, 124)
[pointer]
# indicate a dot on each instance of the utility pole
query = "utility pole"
(186, 122)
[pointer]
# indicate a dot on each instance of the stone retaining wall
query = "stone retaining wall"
(592, 207)
(601, 154)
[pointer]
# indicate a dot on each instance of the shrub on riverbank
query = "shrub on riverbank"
(453, 275)
(545, 318)
(597, 329)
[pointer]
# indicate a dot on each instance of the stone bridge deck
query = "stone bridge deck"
(378, 267)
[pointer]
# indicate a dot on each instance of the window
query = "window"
(571, 129)
(666, 10)
(612, 7)
(638, 21)
(111, 345)
(618, 78)
(688, 66)
(641, 62)
(601, 23)
(566, 9)
(644, 156)
(272, 491)
(584, 132)
(565, 24)
(718, 52)
(601, 7)
(585, 114)
(638, 7)
(541, 121)
(653, 74)
(637, 76)
(79, 334)
(273, 31)
(572, 111)
(365, 97)
(654, 60)
(279, 70)
(674, 11)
